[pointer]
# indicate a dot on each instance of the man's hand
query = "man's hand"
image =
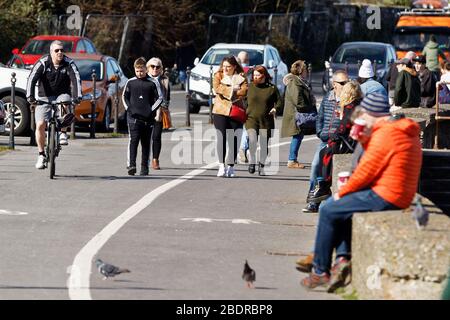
(76, 100)
(31, 100)
(336, 196)
(273, 111)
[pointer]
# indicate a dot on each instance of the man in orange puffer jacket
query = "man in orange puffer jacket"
(386, 178)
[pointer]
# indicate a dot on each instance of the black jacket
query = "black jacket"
(407, 89)
(427, 88)
(141, 98)
(53, 82)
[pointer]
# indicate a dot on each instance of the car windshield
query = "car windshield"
(85, 68)
(215, 56)
(353, 54)
(417, 41)
(43, 46)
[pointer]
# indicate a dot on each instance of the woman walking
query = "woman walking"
(230, 86)
(155, 71)
(298, 98)
(263, 101)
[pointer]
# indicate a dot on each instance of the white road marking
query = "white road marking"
(78, 282)
(12, 213)
(244, 221)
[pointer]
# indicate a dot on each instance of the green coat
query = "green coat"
(432, 52)
(298, 97)
(261, 99)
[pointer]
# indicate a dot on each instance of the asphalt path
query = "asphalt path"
(183, 232)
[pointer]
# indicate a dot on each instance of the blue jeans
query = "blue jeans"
(295, 145)
(244, 140)
(315, 169)
(335, 224)
(182, 76)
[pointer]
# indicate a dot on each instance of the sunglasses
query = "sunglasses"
(155, 67)
(342, 83)
(59, 50)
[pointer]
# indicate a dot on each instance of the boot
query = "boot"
(321, 192)
(261, 169)
(251, 168)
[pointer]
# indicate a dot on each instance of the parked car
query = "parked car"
(259, 54)
(37, 46)
(2, 117)
(350, 54)
(108, 72)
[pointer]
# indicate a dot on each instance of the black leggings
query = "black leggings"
(156, 139)
(229, 131)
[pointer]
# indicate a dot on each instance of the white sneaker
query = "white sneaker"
(41, 162)
(63, 139)
(230, 172)
(221, 172)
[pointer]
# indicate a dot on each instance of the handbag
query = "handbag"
(166, 118)
(238, 113)
(444, 95)
(306, 122)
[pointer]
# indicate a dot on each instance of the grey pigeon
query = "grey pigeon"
(249, 275)
(420, 214)
(109, 270)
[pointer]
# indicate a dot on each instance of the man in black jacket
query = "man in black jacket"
(427, 82)
(141, 98)
(407, 86)
(55, 74)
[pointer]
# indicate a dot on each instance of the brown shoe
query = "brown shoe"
(305, 264)
(315, 280)
(155, 164)
(341, 275)
(295, 165)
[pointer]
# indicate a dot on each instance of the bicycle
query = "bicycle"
(54, 127)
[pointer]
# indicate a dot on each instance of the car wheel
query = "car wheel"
(194, 108)
(106, 119)
(21, 115)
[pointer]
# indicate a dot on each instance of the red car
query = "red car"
(40, 45)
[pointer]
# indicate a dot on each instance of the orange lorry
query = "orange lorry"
(414, 28)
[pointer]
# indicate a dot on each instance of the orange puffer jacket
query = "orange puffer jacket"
(391, 163)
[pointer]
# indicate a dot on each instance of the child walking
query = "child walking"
(141, 99)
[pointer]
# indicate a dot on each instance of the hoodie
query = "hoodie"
(432, 52)
(407, 89)
(391, 162)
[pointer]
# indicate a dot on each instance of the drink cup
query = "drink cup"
(357, 128)
(343, 177)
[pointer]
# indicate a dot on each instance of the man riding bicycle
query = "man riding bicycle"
(56, 74)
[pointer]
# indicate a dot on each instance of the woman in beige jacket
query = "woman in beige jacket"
(230, 87)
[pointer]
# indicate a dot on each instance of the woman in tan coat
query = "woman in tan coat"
(230, 86)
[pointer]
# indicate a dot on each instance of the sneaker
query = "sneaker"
(314, 280)
(41, 162)
(305, 264)
(261, 171)
(221, 172)
(144, 171)
(230, 172)
(63, 139)
(131, 170)
(340, 274)
(295, 165)
(311, 208)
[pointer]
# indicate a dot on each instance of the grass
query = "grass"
(348, 296)
(4, 148)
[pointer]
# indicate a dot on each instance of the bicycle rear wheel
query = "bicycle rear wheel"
(52, 149)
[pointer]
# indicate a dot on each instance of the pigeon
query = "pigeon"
(249, 275)
(109, 270)
(420, 214)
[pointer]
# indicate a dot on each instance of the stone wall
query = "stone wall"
(392, 259)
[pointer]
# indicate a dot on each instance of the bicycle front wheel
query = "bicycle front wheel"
(52, 149)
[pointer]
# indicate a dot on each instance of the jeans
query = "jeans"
(295, 146)
(315, 169)
(182, 76)
(335, 224)
(244, 140)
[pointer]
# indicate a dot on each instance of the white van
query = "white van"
(259, 54)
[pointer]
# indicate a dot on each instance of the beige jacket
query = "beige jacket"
(225, 95)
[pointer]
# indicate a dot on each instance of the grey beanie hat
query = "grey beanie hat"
(376, 104)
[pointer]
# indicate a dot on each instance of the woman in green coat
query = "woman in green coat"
(263, 100)
(298, 98)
